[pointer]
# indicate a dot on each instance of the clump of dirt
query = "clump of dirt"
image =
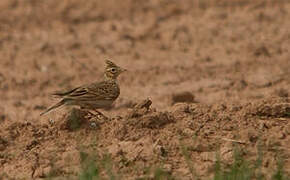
(140, 109)
(273, 108)
(144, 117)
(141, 119)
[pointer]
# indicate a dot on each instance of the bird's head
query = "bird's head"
(112, 70)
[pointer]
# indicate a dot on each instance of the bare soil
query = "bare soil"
(216, 72)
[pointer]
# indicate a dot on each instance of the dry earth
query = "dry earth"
(215, 71)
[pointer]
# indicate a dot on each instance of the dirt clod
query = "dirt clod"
(155, 120)
(140, 109)
(274, 110)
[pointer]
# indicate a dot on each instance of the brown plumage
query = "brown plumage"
(93, 96)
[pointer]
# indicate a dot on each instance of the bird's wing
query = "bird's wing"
(101, 90)
(92, 91)
(64, 93)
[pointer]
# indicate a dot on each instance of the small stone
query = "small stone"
(93, 124)
(252, 135)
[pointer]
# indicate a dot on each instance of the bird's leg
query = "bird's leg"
(99, 113)
(87, 110)
(93, 112)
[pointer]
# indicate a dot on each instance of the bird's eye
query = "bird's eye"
(113, 70)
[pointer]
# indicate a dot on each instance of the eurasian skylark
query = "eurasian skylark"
(93, 96)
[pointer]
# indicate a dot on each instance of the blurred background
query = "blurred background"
(209, 50)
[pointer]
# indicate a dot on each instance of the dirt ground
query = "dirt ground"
(215, 72)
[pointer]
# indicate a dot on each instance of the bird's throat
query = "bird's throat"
(109, 78)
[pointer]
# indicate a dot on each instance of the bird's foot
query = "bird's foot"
(95, 116)
(100, 116)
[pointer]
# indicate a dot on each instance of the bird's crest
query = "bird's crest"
(110, 63)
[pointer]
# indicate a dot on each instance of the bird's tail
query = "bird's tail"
(60, 103)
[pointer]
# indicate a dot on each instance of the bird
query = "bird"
(92, 96)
